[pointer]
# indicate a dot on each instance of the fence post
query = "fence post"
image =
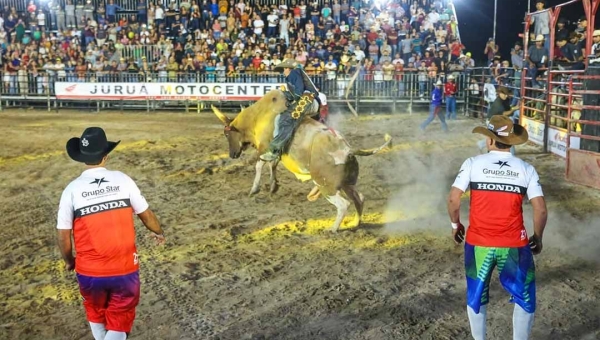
(49, 103)
(548, 104)
(394, 103)
(466, 91)
(356, 100)
(411, 90)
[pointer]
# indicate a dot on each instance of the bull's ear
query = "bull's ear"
(222, 117)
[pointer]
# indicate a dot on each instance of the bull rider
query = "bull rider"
(302, 98)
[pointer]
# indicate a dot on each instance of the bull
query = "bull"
(315, 152)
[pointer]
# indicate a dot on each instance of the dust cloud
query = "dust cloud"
(579, 237)
(421, 182)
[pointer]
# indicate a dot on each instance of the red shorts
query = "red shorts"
(111, 300)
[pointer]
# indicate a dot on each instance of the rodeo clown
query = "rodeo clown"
(302, 97)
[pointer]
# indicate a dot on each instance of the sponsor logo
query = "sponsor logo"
(501, 173)
(499, 187)
(99, 181)
(502, 164)
(257, 90)
(104, 191)
(100, 207)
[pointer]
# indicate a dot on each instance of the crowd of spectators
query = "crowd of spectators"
(205, 40)
(569, 53)
(532, 62)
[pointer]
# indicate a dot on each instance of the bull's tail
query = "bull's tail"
(369, 152)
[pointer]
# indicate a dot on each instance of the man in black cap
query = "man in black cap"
(97, 209)
(302, 96)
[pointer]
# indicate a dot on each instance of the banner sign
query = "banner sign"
(163, 91)
(557, 138)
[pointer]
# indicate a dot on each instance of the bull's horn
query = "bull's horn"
(222, 117)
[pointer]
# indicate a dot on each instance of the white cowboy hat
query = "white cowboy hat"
(439, 83)
(451, 77)
(596, 33)
(539, 37)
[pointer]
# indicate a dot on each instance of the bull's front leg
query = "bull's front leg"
(256, 185)
(273, 173)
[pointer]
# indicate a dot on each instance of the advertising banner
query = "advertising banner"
(163, 91)
(557, 138)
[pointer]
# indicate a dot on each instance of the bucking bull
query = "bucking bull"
(316, 152)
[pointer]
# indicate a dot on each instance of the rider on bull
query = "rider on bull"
(302, 97)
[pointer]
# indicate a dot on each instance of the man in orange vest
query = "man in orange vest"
(97, 209)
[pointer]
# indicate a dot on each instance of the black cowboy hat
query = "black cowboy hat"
(91, 147)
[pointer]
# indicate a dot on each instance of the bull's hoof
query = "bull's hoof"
(333, 229)
(254, 191)
(274, 187)
(356, 222)
(313, 194)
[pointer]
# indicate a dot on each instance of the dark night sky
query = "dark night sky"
(476, 22)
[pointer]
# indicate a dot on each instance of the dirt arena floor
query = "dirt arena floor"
(263, 267)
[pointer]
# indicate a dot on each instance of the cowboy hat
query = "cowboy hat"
(503, 130)
(451, 77)
(439, 83)
(288, 63)
(91, 147)
(538, 37)
(596, 33)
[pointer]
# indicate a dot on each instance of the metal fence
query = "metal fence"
(24, 89)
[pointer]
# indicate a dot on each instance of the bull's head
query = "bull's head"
(233, 135)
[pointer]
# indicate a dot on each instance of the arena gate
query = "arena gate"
(563, 117)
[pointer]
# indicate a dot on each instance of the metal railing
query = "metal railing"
(21, 89)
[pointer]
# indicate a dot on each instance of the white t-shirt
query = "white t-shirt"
(95, 188)
(159, 13)
(272, 19)
(258, 26)
(498, 182)
(98, 207)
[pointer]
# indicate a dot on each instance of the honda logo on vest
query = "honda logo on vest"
(499, 187)
(102, 207)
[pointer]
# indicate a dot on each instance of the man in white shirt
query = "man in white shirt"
(595, 55)
(273, 21)
(284, 25)
(258, 25)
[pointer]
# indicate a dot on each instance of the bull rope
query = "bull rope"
(348, 91)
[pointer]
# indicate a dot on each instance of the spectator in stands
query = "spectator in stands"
(537, 58)
(542, 22)
(219, 36)
(595, 48)
(571, 55)
(491, 49)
